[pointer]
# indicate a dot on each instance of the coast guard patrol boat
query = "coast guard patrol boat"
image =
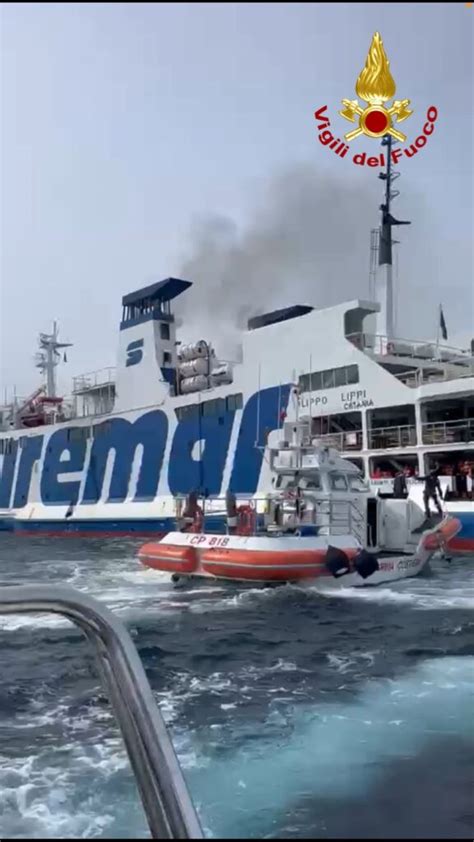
(174, 419)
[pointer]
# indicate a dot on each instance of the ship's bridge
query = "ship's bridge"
(152, 302)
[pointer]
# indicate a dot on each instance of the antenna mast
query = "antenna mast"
(374, 257)
(386, 241)
(48, 356)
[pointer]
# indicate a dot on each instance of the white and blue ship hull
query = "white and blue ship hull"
(120, 473)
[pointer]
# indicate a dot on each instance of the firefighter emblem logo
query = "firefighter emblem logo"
(375, 86)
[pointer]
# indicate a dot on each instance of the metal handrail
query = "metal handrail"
(443, 432)
(95, 378)
(403, 435)
(378, 342)
(168, 806)
(339, 440)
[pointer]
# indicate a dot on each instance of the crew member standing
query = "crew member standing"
(431, 491)
(400, 490)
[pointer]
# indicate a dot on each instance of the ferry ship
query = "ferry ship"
(173, 419)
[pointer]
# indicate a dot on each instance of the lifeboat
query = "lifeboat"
(268, 559)
(306, 529)
(242, 558)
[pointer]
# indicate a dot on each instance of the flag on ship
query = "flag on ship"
(442, 323)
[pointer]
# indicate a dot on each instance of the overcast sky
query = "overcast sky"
(142, 141)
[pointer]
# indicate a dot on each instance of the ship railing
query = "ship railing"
(168, 807)
(331, 516)
(416, 349)
(417, 377)
(94, 392)
(448, 432)
(94, 379)
(347, 440)
(385, 438)
(338, 517)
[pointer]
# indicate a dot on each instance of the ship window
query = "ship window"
(164, 330)
(166, 356)
(188, 412)
(311, 382)
(285, 481)
(78, 433)
(312, 483)
(330, 378)
(338, 481)
(215, 407)
(101, 429)
(315, 381)
(208, 408)
(340, 376)
(357, 483)
(352, 374)
(234, 402)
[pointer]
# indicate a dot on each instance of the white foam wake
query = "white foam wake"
(336, 750)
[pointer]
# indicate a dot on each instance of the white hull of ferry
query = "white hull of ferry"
(120, 472)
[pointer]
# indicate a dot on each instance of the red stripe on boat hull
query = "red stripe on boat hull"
(461, 545)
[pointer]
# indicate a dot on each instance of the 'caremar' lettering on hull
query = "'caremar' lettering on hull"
(120, 460)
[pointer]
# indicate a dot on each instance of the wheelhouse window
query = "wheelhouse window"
(338, 481)
(311, 482)
(357, 483)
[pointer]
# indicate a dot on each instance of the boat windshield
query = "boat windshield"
(358, 483)
(305, 482)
